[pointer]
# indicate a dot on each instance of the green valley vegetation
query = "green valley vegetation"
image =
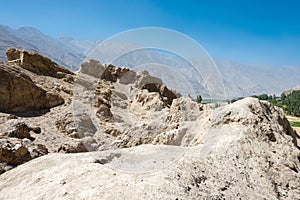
(290, 103)
(295, 124)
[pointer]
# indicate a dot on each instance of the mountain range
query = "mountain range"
(65, 51)
(239, 79)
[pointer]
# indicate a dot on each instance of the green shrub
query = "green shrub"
(295, 124)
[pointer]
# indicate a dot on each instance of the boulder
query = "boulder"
(21, 130)
(78, 147)
(144, 78)
(19, 93)
(128, 78)
(14, 152)
(36, 63)
(93, 68)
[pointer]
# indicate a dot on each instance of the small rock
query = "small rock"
(21, 131)
(113, 73)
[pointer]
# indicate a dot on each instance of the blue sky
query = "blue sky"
(250, 32)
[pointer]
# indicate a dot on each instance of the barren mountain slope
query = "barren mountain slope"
(31, 39)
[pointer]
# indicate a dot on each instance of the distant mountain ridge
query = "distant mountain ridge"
(245, 80)
(296, 88)
(239, 80)
(69, 53)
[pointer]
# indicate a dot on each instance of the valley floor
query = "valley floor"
(294, 119)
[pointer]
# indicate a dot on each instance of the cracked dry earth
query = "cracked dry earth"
(120, 134)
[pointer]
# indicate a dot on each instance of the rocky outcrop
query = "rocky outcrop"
(21, 130)
(144, 78)
(78, 147)
(103, 93)
(14, 152)
(112, 73)
(18, 92)
(92, 68)
(67, 125)
(16, 143)
(36, 63)
(235, 158)
(150, 143)
(167, 95)
(296, 88)
(27, 96)
(145, 101)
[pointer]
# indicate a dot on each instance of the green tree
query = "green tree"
(290, 103)
(283, 97)
(263, 97)
(199, 99)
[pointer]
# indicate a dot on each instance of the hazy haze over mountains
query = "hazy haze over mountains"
(66, 52)
(244, 80)
(239, 79)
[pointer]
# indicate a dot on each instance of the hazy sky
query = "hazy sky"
(248, 31)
